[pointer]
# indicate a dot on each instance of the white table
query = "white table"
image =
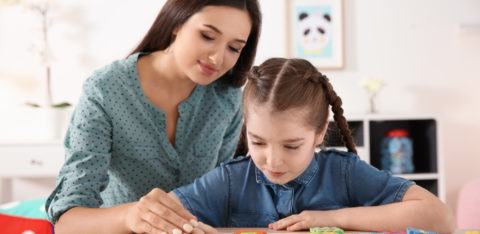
(29, 159)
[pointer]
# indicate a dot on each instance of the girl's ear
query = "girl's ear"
(320, 136)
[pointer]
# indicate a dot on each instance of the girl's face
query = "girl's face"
(210, 42)
(280, 144)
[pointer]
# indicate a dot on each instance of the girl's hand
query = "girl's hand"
(157, 213)
(304, 220)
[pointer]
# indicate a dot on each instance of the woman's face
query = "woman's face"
(281, 144)
(210, 42)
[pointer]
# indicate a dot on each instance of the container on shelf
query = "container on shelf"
(397, 152)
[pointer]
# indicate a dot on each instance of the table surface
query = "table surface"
(269, 231)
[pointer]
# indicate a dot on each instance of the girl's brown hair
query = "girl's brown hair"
(176, 12)
(284, 84)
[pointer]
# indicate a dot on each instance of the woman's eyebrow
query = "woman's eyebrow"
(220, 32)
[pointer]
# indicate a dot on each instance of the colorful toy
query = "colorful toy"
(418, 231)
(325, 230)
(250, 232)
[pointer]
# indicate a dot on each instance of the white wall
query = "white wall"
(430, 64)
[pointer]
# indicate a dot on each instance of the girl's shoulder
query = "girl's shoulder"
(331, 152)
(331, 155)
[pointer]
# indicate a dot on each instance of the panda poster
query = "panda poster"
(315, 31)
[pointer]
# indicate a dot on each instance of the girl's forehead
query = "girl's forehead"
(263, 118)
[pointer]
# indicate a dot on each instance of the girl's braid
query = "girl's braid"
(336, 102)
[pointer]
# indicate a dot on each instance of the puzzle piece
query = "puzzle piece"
(250, 232)
(325, 230)
(419, 231)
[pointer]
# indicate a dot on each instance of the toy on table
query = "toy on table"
(250, 232)
(325, 230)
(419, 231)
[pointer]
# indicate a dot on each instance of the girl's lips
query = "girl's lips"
(276, 174)
(209, 70)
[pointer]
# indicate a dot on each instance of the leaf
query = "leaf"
(31, 104)
(62, 105)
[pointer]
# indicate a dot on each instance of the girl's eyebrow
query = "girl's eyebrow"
(220, 32)
(293, 140)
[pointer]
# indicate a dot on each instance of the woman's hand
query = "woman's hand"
(160, 213)
(303, 221)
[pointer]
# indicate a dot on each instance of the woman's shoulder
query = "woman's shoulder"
(114, 72)
(225, 92)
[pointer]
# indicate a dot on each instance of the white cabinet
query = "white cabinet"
(28, 160)
(369, 130)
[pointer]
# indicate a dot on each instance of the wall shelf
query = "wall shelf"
(369, 130)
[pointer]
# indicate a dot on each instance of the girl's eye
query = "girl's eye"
(234, 49)
(257, 143)
(206, 37)
(291, 147)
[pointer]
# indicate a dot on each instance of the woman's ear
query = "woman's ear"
(321, 135)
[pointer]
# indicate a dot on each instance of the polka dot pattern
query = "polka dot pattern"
(117, 149)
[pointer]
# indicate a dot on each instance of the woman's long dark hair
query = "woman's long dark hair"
(285, 84)
(176, 12)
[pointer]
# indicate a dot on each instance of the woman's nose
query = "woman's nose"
(216, 56)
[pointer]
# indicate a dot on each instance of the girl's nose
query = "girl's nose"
(274, 160)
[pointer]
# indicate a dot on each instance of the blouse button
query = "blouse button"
(177, 172)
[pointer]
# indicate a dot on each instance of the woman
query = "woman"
(157, 120)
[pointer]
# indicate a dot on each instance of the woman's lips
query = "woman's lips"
(207, 69)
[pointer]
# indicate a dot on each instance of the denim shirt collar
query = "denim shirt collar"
(304, 178)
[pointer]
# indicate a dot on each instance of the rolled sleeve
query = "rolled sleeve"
(87, 146)
(368, 186)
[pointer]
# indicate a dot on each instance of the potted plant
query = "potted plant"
(52, 115)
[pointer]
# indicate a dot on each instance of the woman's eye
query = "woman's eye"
(291, 147)
(234, 49)
(205, 36)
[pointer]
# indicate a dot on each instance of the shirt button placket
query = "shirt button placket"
(177, 175)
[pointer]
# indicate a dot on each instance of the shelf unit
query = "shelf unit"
(369, 130)
(28, 159)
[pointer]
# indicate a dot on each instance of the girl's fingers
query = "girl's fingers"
(283, 223)
(296, 227)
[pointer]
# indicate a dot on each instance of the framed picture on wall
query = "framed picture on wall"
(315, 31)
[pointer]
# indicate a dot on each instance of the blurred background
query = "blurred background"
(427, 53)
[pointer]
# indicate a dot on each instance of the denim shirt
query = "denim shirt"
(237, 194)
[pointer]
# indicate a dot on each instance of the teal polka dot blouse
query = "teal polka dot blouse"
(117, 148)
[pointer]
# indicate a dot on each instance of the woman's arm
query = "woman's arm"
(418, 208)
(154, 213)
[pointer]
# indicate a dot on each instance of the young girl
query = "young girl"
(284, 184)
(156, 120)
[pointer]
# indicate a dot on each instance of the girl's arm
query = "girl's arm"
(156, 212)
(418, 208)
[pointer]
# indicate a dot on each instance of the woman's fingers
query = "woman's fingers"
(157, 222)
(166, 213)
(207, 228)
(172, 202)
